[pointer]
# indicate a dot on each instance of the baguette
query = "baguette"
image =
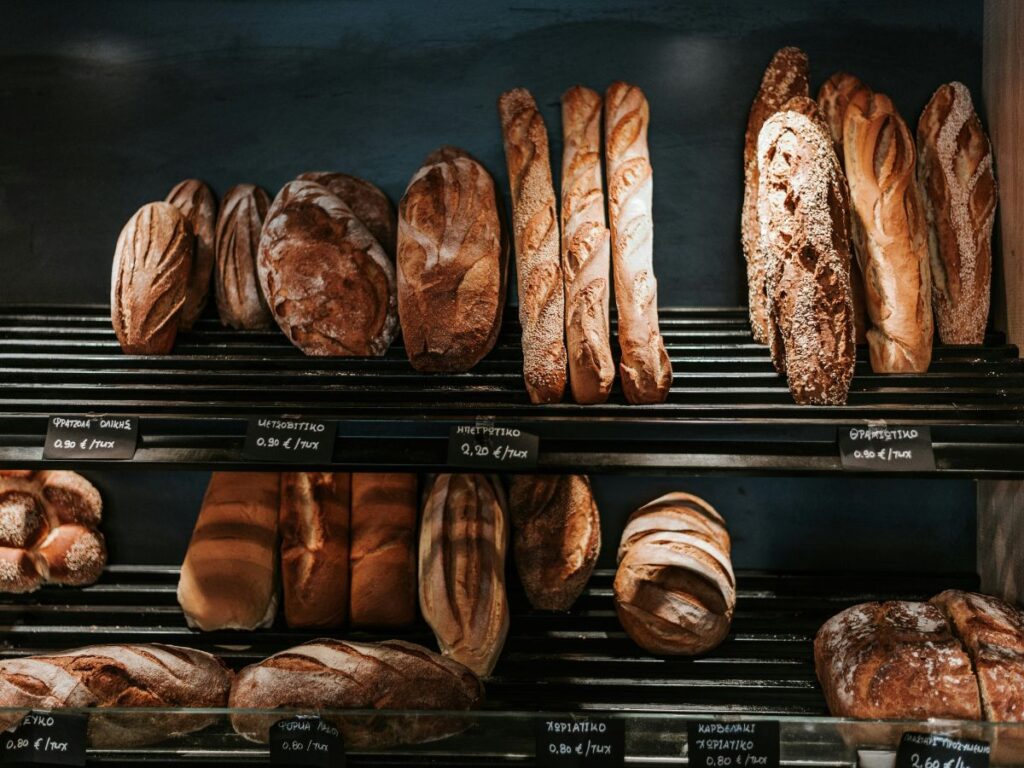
(645, 368)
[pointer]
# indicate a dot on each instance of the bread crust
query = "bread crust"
(198, 205)
(586, 249)
(367, 201)
(784, 78)
(535, 232)
(240, 301)
(958, 189)
(644, 367)
(149, 279)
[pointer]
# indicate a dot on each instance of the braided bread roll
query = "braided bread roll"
(535, 229)
(586, 249)
(890, 235)
(954, 169)
(645, 367)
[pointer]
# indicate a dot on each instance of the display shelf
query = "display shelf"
(727, 411)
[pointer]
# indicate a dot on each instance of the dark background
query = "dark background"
(105, 105)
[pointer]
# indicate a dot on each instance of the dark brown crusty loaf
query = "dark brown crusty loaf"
(382, 585)
(954, 169)
(675, 591)
(802, 209)
(331, 674)
(644, 367)
(370, 205)
(785, 77)
(586, 249)
(240, 301)
(452, 263)
(538, 260)
(197, 204)
(894, 660)
(314, 526)
(890, 235)
(149, 279)
(556, 536)
(124, 676)
(463, 541)
(329, 284)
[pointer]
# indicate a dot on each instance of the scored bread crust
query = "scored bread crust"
(586, 249)
(198, 205)
(803, 206)
(784, 78)
(958, 189)
(644, 368)
(535, 231)
(891, 238)
(367, 201)
(240, 301)
(679, 512)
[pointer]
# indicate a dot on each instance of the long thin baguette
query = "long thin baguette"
(645, 367)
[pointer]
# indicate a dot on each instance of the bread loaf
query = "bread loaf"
(331, 674)
(370, 205)
(240, 301)
(314, 525)
(538, 261)
(463, 540)
(49, 531)
(586, 249)
(149, 279)
(954, 169)
(675, 591)
(894, 660)
(890, 235)
(804, 240)
(197, 204)
(644, 367)
(229, 577)
(452, 263)
(383, 558)
(123, 676)
(328, 283)
(785, 77)
(557, 537)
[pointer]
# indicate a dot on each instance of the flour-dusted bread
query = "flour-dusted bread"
(149, 279)
(890, 235)
(677, 512)
(785, 77)
(954, 169)
(452, 263)
(370, 205)
(240, 301)
(644, 367)
(802, 210)
(538, 259)
(329, 284)
(586, 249)
(198, 205)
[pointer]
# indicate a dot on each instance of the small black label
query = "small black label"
(489, 446)
(565, 742)
(46, 738)
(887, 449)
(91, 437)
(933, 750)
(306, 740)
(290, 440)
(733, 745)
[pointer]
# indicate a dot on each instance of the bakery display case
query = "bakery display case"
(707, 499)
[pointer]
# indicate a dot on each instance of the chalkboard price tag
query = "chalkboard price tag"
(933, 750)
(91, 437)
(46, 738)
(733, 745)
(291, 441)
(568, 742)
(489, 446)
(306, 740)
(882, 448)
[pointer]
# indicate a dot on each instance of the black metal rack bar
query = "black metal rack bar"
(727, 411)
